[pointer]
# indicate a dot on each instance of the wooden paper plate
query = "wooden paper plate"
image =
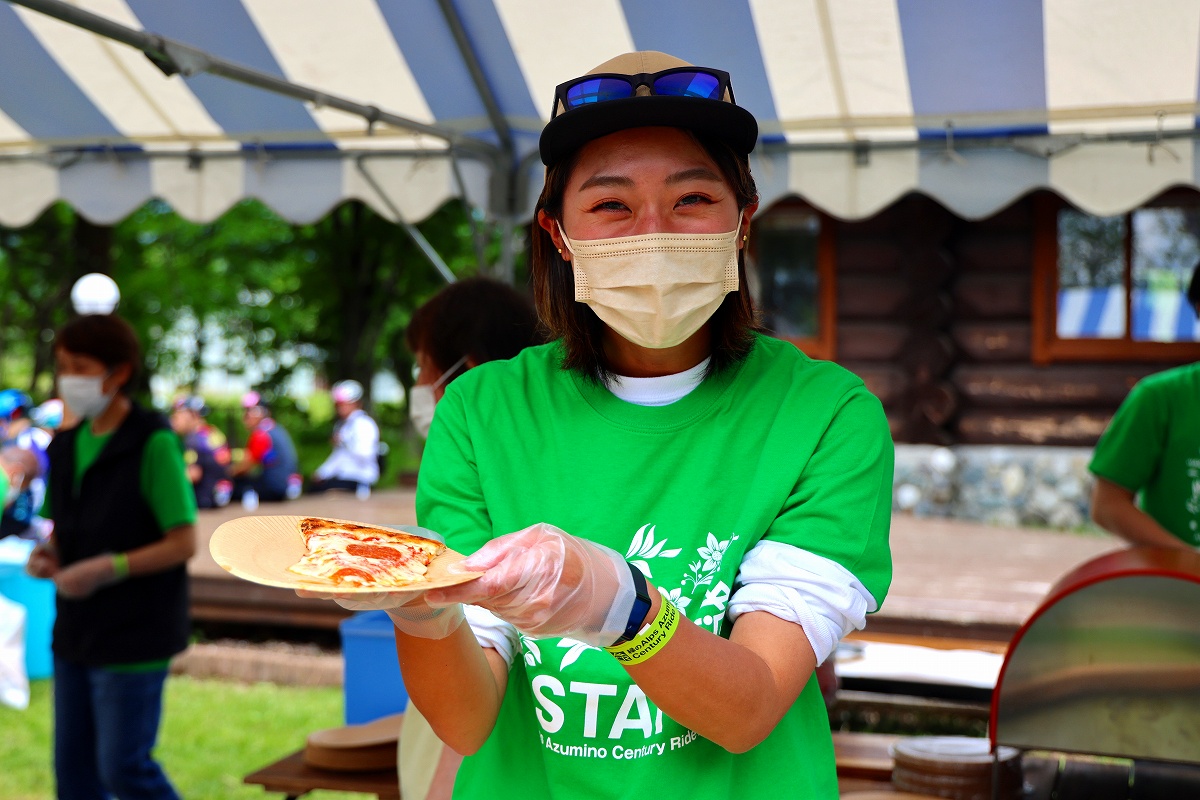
(260, 549)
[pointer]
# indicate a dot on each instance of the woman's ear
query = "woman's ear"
(118, 378)
(550, 225)
(744, 224)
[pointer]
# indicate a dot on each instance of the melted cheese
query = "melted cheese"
(357, 556)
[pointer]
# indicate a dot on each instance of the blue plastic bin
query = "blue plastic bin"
(371, 685)
(38, 598)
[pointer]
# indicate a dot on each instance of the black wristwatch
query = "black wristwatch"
(641, 606)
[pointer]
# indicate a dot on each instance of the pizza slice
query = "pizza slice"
(351, 555)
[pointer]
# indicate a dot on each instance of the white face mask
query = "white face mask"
(420, 408)
(84, 394)
(421, 400)
(656, 289)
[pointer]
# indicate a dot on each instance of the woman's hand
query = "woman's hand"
(548, 583)
(43, 561)
(83, 578)
(409, 613)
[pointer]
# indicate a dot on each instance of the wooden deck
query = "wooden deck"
(951, 579)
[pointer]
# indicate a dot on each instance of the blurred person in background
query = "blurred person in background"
(14, 405)
(49, 416)
(18, 418)
(1147, 463)
(18, 426)
(19, 470)
(206, 452)
(269, 467)
(354, 463)
(464, 325)
(124, 528)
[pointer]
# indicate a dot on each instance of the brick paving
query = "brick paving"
(964, 573)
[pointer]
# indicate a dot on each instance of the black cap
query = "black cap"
(571, 129)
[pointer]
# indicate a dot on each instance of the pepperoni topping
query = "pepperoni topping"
(346, 574)
(376, 552)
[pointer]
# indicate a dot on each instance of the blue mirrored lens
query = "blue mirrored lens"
(689, 84)
(598, 90)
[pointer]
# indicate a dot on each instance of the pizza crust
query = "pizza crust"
(351, 555)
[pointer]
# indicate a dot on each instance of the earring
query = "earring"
(746, 238)
(560, 251)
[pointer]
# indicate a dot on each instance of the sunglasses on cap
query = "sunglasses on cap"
(699, 82)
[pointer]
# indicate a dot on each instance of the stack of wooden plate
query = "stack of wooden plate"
(355, 748)
(956, 767)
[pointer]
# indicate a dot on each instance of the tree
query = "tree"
(1091, 250)
(366, 277)
(38, 266)
(337, 293)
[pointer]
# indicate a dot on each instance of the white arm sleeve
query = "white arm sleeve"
(493, 632)
(326, 469)
(819, 595)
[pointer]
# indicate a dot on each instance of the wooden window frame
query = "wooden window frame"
(824, 345)
(1047, 347)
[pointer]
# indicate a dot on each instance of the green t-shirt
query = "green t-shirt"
(164, 482)
(781, 448)
(1152, 447)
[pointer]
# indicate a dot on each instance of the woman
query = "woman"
(466, 324)
(124, 527)
(678, 517)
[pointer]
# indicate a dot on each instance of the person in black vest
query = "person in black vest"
(124, 527)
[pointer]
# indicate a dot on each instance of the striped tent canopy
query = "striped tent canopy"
(972, 102)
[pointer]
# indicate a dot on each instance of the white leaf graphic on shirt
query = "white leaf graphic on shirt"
(677, 598)
(643, 547)
(533, 655)
(575, 650)
(708, 563)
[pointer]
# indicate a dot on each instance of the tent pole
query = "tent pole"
(425, 247)
(471, 60)
(503, 183)
(413, 232)
(174, 57)
(476, 234)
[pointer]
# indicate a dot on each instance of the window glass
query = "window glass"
(1091, 276)
(783, 276)
(1166, 247)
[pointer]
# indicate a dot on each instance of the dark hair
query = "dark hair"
(477, 318)
(106, 338)
(582, 332)
(1193, 290)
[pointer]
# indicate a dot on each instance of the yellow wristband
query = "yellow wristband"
(120, 563)
(651, 638)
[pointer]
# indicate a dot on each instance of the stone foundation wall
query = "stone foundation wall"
(1008, 486)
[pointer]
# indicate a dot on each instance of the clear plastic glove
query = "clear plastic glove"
(409, 613)
(546, 582)
(83, 578)
(43, 561)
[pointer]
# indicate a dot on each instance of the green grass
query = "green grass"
(213, 734)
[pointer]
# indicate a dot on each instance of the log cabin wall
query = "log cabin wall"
(935, 314)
